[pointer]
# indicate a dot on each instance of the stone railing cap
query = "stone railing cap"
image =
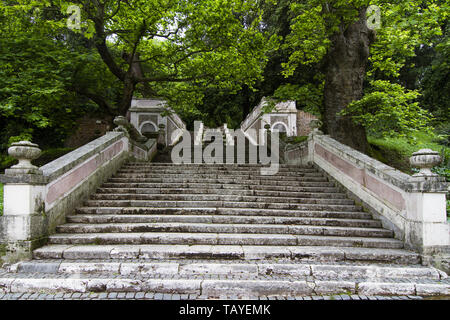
(25, 144)
(425, 152)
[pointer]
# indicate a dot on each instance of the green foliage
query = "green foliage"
(448, 210)
(42, 68)
(296, 140)
(315, 22)
(406, 25)
(388, 109)
(6, 162)
(308, 97)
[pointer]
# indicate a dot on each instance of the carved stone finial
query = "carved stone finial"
(120, 121)
(24, 151)
(315, 124)
(267, 127)
(425, 159)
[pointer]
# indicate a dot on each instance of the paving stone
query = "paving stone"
(130, 295)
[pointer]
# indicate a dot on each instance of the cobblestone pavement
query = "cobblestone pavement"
(160, 296)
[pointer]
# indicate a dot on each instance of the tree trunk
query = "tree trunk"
(346, 64)
(128, 91)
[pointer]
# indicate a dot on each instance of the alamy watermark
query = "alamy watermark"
(373, 14)
(218, 151)
(74, 21)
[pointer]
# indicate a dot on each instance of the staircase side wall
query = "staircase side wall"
(35, 207)
(413, 207)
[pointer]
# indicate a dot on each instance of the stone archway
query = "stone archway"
(280, 126)
(148, 129)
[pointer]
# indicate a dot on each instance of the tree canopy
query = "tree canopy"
(215, 59)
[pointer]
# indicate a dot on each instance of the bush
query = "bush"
(396, 151)
(47, 156)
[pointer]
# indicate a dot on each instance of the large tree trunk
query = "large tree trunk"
(346, 64)
(128, 91)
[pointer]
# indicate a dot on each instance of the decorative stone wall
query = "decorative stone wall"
(303, 121)
(150, 111)
(284, 115)
(414, 207)
(36, 200)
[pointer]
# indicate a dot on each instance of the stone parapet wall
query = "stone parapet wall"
(413, 207)
(38, 200)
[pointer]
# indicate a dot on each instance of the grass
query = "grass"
(396, 152)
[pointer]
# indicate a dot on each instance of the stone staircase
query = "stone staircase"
(220, 231)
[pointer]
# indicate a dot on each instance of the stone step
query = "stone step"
(225, 228)
(222, 211)
(208, 169)
(185, 268)
(216, 288)
(196, 186)
(305, 182)
(206, 191)
(222, 239)
(203, 165)
(228, 252)
(230, 219)
(220, 204)
(219, 197)
(314, 176)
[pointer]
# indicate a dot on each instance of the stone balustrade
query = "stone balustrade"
(36, 200)
(414, 207)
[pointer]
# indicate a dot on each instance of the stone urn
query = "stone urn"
(425, 159)
(24, 151)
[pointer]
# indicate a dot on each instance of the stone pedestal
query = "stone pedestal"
(427, 208)
(24, 206)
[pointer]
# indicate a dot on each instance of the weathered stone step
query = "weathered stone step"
(219, 204)
(197, 186)
(206, 191)
(225, 228)
(313, 176)
(222, 211)
(215, 288)
(223, 239)
(228, 252)
(82, 218)
(304, 182)
(219, 197)
(207, 169)
(247, 269)
(203, 165)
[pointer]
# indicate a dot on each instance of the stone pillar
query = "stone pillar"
(314, 125)
(23, 217)
(428, 228)
(266, 136)
(121, 123)
(161, 136)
